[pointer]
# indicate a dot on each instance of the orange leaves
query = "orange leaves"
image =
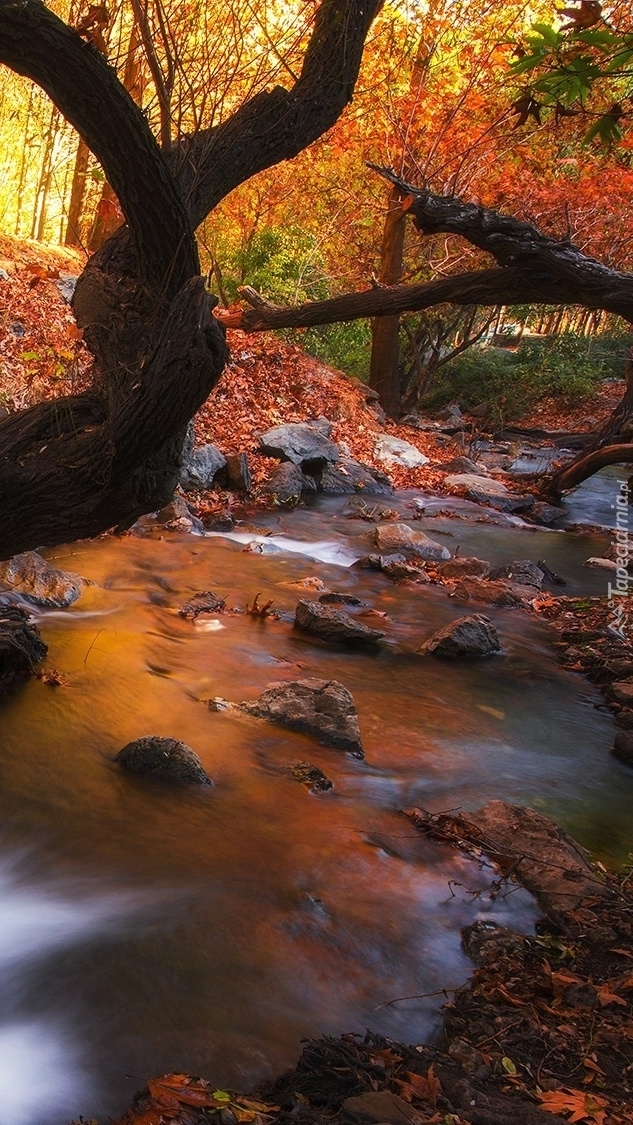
(427, 1089)
(175, 1099)
(580, 1105)
(109, 209)
(93, 25)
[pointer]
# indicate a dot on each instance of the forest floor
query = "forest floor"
(543, 1033)
(266, 382)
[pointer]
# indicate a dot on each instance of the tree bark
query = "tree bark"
(384, 366)
(80, 465)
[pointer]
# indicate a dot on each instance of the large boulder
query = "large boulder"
(200, 468)
(163, 757)
(323, 708)
(21, 646)
(301, 443)
(333, 624)
(347, 475)
(486, 490)
(394, 451)
(465, 638)
(399, 538)
(32, 577)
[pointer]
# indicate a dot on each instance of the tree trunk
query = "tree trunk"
(77, 193)
(79, 465)
(384, 367)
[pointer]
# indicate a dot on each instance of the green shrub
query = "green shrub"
(512, 381)
(346, 345)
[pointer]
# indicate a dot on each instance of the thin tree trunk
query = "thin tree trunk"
(384, 368)
(77, 194)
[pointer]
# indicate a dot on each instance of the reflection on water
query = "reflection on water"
(151, 927)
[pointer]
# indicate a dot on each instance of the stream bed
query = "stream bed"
(146, 927)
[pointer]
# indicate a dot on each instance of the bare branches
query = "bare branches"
(276, 125)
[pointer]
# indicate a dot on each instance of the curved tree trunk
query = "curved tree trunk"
(80, 465)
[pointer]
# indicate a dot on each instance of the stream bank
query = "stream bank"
(542, 1035)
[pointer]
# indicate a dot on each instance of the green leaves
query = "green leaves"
(585, 67)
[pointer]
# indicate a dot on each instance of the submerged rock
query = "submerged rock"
(526, 845)
(322, 708)
(399, 537)
(21, 646)
(466, 638)
(206, 602)
(299, 442)
(32, 577)
(311, 776)
(399, 570)
(163, 757)
(333, 624)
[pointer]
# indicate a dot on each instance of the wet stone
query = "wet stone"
(622, 692)
(201, 467)
(286, 483)
(333, 598)
(464, 567)
(32, 577)
(399, 537)
(322, 708)
(500, 593)
(21, 646)
(466, 638)
(207, 602)
(624, 719)
(399, 570)
(623, 746)
(168, 758)
(347, 476)
(333, 625)
(523, 571)
(312, 777)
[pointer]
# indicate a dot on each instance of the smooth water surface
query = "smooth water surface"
(147, 927)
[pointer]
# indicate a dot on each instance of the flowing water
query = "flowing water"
(147, 927)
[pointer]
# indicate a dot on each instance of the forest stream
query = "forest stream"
(147, 927)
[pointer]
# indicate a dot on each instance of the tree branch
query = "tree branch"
(34, 42)
(512, 285)
(510, 241)
(276, 125)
